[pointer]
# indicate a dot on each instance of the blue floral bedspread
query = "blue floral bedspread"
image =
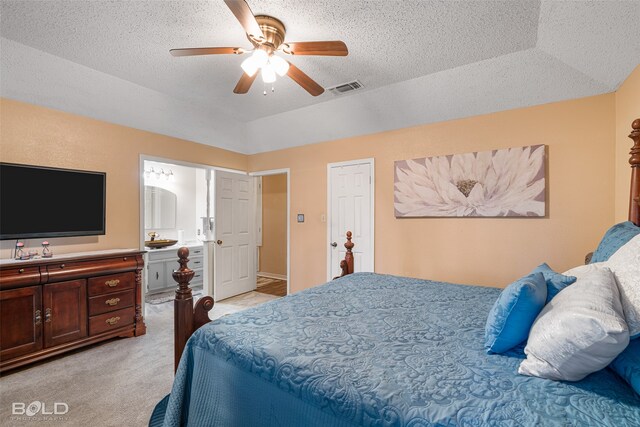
(376, 350)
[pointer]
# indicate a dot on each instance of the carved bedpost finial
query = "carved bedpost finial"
(183, 275)
(634, 161)
(348, 244)
(346, 265)
(348, 258)
(635, 150)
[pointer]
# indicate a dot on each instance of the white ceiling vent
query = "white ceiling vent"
(346, 87)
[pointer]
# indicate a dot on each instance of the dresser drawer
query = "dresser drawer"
(111, 302)
(195, 251)
(112, 283)
(195, 263)
(68, 270)
(109, 321)
(14, 277)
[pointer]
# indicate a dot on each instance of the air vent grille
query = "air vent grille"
(345, 88)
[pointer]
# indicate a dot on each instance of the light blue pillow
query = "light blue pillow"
(627, 365)
(512, 315)
(614, 239)
(555, 281)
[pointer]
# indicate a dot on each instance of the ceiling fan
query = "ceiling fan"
(266, 34)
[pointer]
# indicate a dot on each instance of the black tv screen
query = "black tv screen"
(49, 202)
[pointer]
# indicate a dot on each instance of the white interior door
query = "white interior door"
(234, 270)
(350, 201)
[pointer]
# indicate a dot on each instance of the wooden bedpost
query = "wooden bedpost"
(182, 305)
(634, 196)
(347, 263)
(185, 319)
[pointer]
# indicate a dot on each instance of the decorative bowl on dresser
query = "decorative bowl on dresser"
(54, 305)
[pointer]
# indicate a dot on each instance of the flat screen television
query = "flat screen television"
(40, 202)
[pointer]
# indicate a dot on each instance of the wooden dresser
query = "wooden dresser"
(50, 306)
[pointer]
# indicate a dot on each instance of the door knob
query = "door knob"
(334, 244)
(219, 242)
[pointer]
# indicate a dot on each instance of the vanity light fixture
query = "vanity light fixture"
(154, 173)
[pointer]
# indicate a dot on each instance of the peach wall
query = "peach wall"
(581, 152)
(584, 148)
(273, 253)
(627, 110)
(40, 136)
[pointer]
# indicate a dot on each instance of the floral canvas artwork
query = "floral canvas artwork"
(508, 182)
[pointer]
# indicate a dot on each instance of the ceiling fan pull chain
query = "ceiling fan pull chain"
(273, 89)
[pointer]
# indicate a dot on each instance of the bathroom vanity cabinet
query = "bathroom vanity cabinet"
(162, 262)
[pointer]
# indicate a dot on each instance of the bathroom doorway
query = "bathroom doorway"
(175, 201)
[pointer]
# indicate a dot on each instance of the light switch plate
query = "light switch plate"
(300, 217)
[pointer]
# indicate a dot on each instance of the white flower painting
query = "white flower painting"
(508, 182)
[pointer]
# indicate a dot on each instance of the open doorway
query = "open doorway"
(272, 232)
(175, 200)
(221, 251)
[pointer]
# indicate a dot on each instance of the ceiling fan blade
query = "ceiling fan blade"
(305, 81)
(244, 84)
(328, 48)
(243, 13)
(192, 51)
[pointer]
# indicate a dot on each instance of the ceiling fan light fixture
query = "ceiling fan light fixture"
(257, 60)
(249, 66)
(267, 35)
(260, 57)
(268, 74)
(279, 65)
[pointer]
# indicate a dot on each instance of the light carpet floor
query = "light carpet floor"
(116, 383)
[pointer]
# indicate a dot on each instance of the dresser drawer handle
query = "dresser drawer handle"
(112, 283)
(62, 266)
(113, 320)
(38, 319)
(21, 271)
(112, 301)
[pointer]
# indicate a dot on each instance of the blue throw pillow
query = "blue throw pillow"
(512, 315)
(614, 239)
(555, 281)
(627, 365)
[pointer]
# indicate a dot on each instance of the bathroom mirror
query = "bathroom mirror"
(160, 207)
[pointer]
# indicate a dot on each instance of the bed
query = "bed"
(373, 350)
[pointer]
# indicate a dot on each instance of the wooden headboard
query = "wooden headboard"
(187, 318)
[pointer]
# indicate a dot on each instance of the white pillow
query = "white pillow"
(584, 270)
(625, 265)
(579, 332)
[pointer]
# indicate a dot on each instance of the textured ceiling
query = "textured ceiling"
(110, 60)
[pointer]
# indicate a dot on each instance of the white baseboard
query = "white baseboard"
(272, 275)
